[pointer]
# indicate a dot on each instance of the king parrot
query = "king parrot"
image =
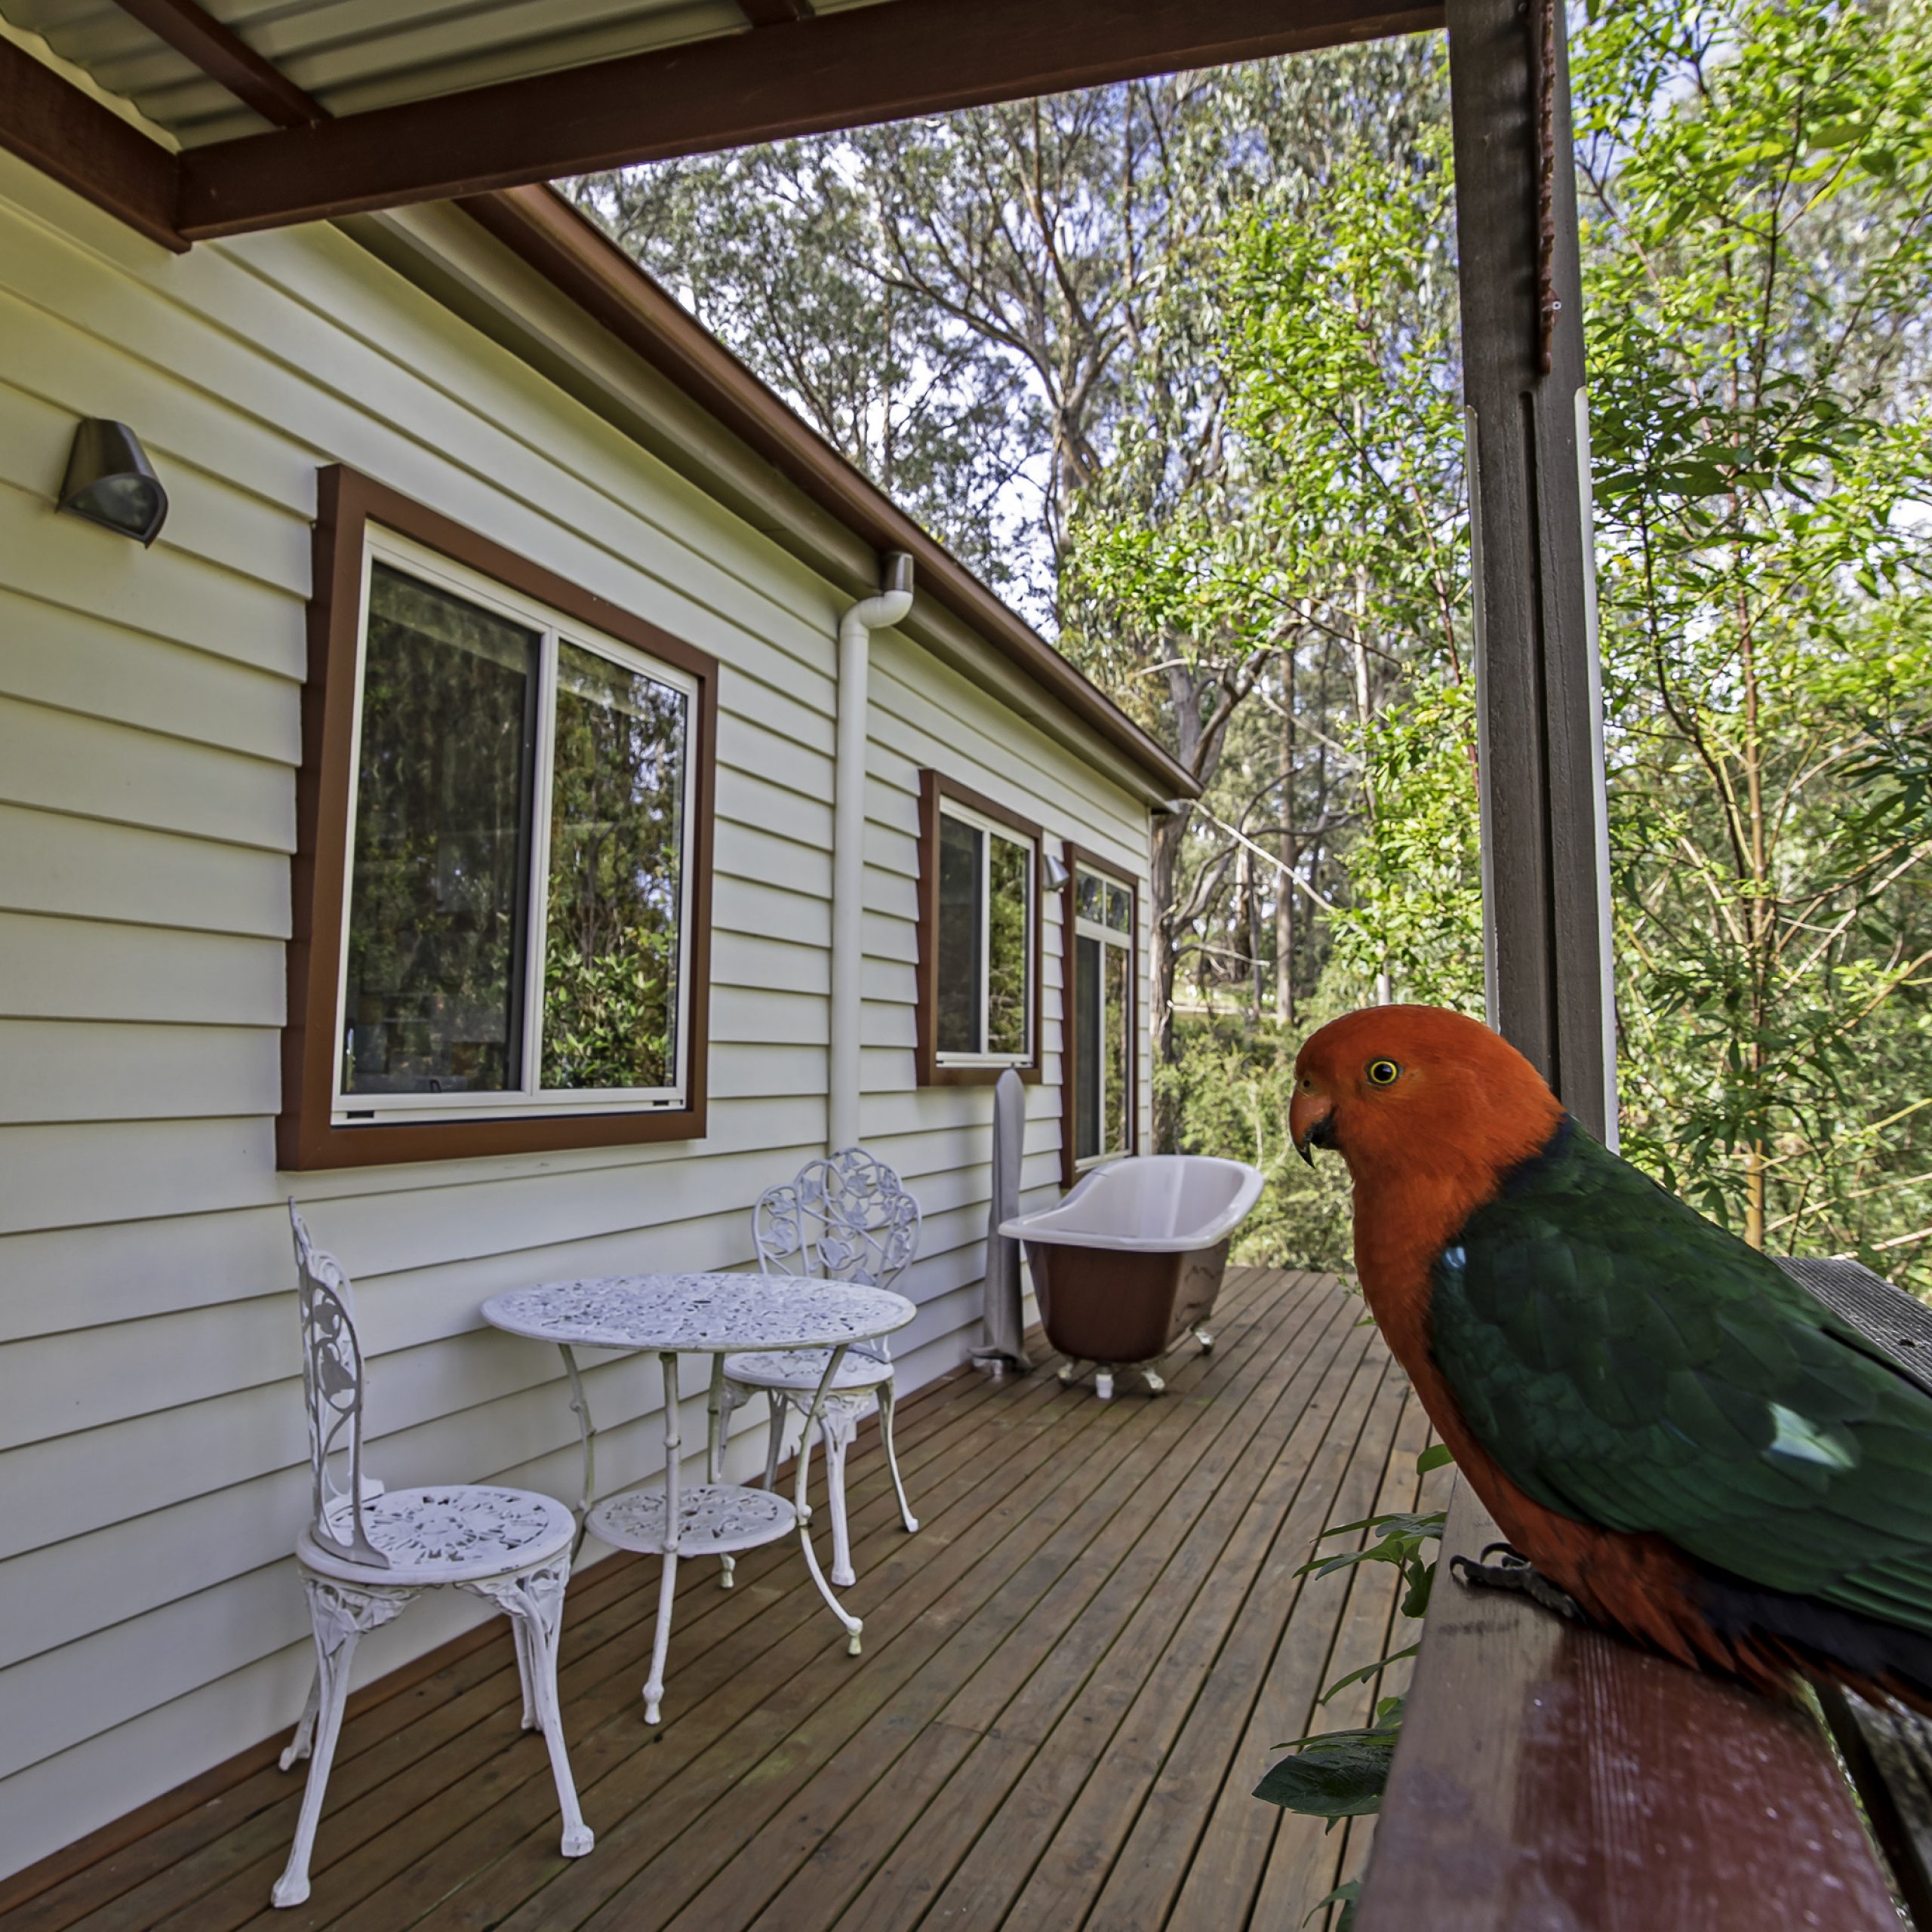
(1670, 1430)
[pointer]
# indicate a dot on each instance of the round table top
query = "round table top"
(700, 1314)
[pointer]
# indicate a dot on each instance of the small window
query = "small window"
(1099, 1111)
(979, 937)
(514, 935)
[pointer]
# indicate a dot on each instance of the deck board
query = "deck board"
(1071, 1677)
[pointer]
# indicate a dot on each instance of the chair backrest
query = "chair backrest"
(845, 1218)
(332, 1389)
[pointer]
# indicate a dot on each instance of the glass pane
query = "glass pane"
(1119, 1047)
(1120, 908)
(1085, 1073)
(959, 989)
(434, 987)
(610, 946)
(1091, 897)
(1009, 953)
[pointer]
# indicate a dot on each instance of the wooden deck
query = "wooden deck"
(1072, 1677)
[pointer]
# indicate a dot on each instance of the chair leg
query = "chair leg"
(340, 1614)
(534, 1602)
(887, 1398)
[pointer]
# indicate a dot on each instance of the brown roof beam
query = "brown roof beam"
(48, 121)
(883, 62)
(224, 57)
(774, 13)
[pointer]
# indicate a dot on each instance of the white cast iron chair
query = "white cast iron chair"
(843, 1219)
(369, 1551)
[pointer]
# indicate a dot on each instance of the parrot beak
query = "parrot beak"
(1311, 1124)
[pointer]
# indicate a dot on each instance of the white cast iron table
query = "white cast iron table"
(713, 1314)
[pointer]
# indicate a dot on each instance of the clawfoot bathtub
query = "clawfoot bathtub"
(1132, 1258)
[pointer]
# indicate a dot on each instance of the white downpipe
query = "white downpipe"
(848, 841)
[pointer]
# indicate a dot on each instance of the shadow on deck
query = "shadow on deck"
(1072, 1677)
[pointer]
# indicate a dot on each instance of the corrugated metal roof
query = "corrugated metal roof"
(354, 54)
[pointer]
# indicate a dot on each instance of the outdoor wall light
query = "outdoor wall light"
(110, 481)
(1054, 868)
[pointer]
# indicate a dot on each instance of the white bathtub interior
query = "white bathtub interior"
(1160, 1203)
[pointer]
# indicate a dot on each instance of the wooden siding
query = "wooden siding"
(1072, 1677)
(151, 1446)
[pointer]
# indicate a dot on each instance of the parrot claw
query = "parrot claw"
(1514, 1571)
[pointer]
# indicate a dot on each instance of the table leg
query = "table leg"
(852, 1624)
(717, 1413)
(587, 1432)
(654, 1689)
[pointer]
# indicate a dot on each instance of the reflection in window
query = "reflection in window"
(961, 954)
(616, 841)
(1101, 1022)
(433, 997)
(1085, 1032)
(985, 967)
(1116, 1046)
(462, 892)
(1009, 951)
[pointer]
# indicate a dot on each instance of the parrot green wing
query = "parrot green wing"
(1629, 1364)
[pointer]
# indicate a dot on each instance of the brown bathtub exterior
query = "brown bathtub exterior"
(1105, 1305)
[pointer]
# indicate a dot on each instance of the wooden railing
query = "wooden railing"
(1553, 1779)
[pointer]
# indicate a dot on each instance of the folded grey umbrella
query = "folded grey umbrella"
(1005, 1327)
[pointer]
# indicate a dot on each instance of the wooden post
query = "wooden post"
(1545, 849)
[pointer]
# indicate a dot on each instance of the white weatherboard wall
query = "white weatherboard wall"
(152, 1456)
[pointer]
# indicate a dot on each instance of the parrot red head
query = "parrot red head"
(1405, 1092)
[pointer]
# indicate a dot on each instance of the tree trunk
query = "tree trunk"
(1284, 892)
(1164, 870)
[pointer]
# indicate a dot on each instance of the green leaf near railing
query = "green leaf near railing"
(1335, 1774)
(1347, 1895)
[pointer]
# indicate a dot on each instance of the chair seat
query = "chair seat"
(802, 1369)
(457, 1534)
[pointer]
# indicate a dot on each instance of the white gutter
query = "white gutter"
(848, 841)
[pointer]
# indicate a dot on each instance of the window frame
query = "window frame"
(356, 518)
(1078, 859)
(935, 1069)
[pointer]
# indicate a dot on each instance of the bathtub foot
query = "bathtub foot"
(1070, 1373)
(1155, 1385)
(1206, 1340)
(1104, 1384)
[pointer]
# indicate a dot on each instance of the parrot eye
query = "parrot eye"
(1384, 1073)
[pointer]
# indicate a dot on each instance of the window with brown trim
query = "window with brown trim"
(502, 887)
(979, 1009)
(1099, 941)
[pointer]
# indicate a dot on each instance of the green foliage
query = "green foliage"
(1346, 1897)
(1229, 1087)
(1399, 1537)
(610, 953)
(1342, 1773)
(1414, 909)
(1756, 179)
(607, 1020)
(1335, 1774)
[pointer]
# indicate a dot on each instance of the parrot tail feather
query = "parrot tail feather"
(1771, 1633)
